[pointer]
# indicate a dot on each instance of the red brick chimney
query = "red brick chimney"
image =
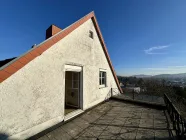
(52, 30)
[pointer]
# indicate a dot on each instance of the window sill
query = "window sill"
(103, 87)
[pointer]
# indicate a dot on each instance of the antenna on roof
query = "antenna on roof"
(33, 46)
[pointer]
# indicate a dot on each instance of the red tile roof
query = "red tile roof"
(12, 67)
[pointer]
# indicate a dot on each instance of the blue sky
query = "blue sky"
(142, 36)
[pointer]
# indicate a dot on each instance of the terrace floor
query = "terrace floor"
(115, 120)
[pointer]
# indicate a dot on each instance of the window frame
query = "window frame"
(91, 34)
(102, 78)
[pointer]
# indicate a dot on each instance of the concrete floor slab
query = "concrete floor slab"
(114, 120)
(127, 134)
(144, 134)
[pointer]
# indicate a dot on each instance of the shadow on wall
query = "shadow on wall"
(112, 92)
(3, 136)
(108, 95)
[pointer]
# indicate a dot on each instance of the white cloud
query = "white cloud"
(152, 49)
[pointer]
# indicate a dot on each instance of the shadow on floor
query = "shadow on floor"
(69, 109)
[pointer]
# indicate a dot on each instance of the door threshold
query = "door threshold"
(73, 114)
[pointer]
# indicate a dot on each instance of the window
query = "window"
(91, 35)
(102, 79)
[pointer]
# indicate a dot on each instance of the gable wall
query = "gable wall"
(35, 94)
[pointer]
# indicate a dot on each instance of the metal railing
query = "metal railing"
(179, 123)
(142, 97)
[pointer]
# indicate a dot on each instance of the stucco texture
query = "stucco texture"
(35, 93)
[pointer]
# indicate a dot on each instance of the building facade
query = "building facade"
(71, 72)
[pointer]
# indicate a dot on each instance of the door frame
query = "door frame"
(78, 88)
(75, 68)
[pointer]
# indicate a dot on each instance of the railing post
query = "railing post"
(133, 94)
(184, 132)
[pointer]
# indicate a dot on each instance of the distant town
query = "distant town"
(169, 79)
(156, 84)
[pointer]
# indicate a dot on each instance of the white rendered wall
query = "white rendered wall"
(34, 95)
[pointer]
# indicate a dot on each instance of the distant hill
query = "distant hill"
(142, 76)
(166, 76)
(171, 76)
